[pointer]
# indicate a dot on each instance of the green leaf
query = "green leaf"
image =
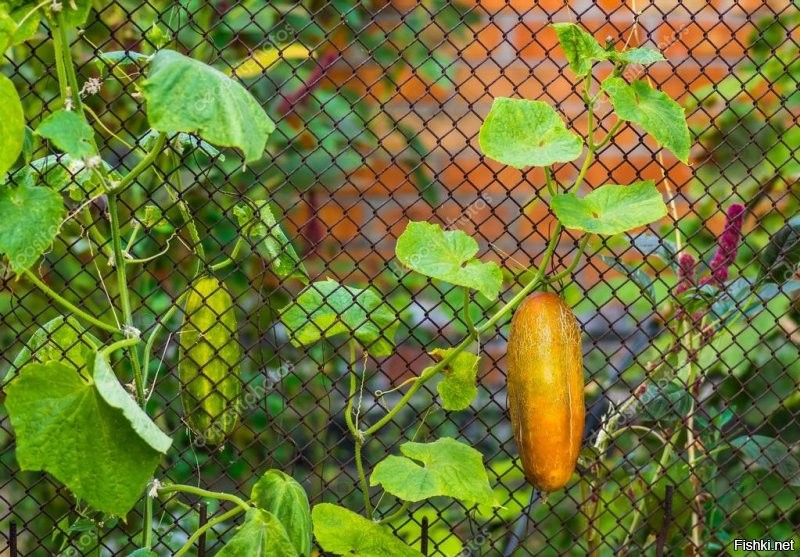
(523, 133)
(184, 95)
(31, 219)
(61, 338)
(144, 553)
(75, 12)
(448, 256)
(115, 396)
(451, 469)
(281, 495)
(326, 308)
(343, 532)
(270, 240)
(611, 209)
(580, 48)
(69, 133)
(458, 388)
(639, 55)
(12, 125)
(654, 111)
(11, 32)
(780, 259)
(665, 403)
(261, 535)
(87, 432)
(760, 453)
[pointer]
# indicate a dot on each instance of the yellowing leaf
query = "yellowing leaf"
(255, 64)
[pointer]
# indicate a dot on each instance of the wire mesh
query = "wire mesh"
(377, 127)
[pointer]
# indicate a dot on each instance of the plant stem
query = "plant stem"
(574, 263)
(638, 513)
(691, 440)
(592, 148)
(200, 492)
(231, 259)
(548, 177)
(58, 47)
(132, 239)
(611, 133)
(122, 286)
(143, 164)
(186, 214)
(467, 317)
(69, 306)
(362, 477)
(138, 378)
(124, 343)
(203, 529)
(396, 514)
(147, 533)
(69, 67)
(358, 437)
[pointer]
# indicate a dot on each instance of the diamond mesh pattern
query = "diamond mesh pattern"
(380, 127)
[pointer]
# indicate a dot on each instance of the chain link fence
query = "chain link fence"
(378, 106)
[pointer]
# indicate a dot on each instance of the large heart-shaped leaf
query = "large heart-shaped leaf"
(185, 95)
(611, 209)
(523, 133)
(69, 133)
(326, 308)
(12, 125)
(261, 535)
(581, 49)
(343, 532)
(654, 111)
(449, 468)
(279, 494)
(448, 256)
(85, 431)
(31, 219)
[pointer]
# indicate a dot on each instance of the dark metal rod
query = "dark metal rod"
(201, 542)
(518, 533)
(12, 538)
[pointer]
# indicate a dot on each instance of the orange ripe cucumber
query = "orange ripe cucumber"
(545, 389)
